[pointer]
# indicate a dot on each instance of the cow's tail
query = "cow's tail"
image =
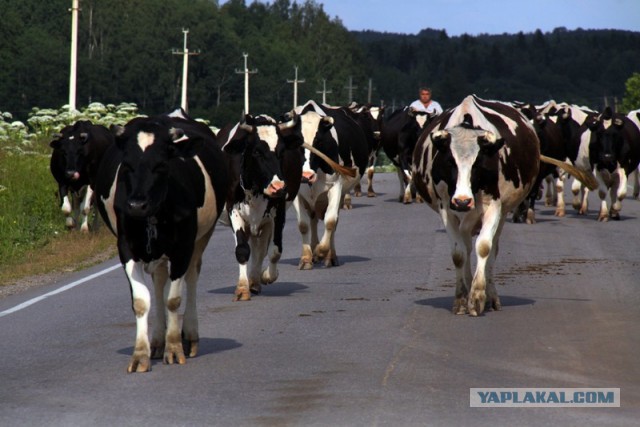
(342, 170)
(584, 176)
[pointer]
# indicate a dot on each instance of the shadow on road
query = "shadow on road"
(447, 302)
(206, 346)
(277, 289)
(342, 259)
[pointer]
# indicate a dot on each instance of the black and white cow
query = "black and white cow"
(160, 190)
(473, 165)
(614, 153)
(76, 156)
(552, 145)
(265, 160)
(576, 134)
(370, 119)
(634, 116)
(338, 136)
(398, 139)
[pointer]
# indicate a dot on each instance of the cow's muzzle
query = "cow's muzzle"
(462, 204)
(72, 174)
(308, 177)
(275, 189)
(137, 207)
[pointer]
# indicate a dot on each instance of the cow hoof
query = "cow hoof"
(603, 218)
(256, 289)
(174, 353)
(358, 194)
(615, 216)
(268, 278)
(70, 223)
(331, 262)
(139, 363)
(560, 213)
(419, 199)
(242, 295)
(190, 347)
(305, 265)
(371, 194)
(459, 306)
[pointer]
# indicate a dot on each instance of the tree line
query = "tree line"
(125, 53)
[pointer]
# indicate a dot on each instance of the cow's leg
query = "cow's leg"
(347, 205)
(603, 214)
(173, 350)
(635, 178)
(618, 193)
(270, 273)
(549, 195)
(141, 302)
(65, 206)
(161, 286)
(407, 197)
(304, 224)
(584, 204)
(402, 184)
(560, 205)
(190, 334)
(460, 251)
(491, 224)
(243, 254)
(326, 248)
(576, 189)
(492, 294)
(85, 209)
(259, 246)
(370, 172)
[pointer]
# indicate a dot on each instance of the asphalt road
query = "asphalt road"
(372, 342)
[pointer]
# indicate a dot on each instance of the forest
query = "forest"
(127, 53)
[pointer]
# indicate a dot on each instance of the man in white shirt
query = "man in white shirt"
(425, 103)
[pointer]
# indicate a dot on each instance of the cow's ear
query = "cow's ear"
(618, 122)
(326, 123)
(441, 139)
(490, 143)
(540, 119)
(84, 137)
(178, 136)
(592, 123)
(118, 133)
(57, 140)
(607, 114)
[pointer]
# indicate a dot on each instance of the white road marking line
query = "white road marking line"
(60, 290)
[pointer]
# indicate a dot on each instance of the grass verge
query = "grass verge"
(67, 252)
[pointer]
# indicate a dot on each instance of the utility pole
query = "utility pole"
(246, 73)
(185, 68)
(74, 54)
(324, 91)
(295, 82)
(350, 88)
(369, 91)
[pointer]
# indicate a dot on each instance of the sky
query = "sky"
(475, 17)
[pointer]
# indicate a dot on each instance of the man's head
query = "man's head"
(425, 95)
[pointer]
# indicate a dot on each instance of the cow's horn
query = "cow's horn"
(351, 172)
(490, 137)
(288, 125)
(584, 176)
(439, 134)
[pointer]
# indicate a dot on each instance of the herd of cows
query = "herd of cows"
(162, 183)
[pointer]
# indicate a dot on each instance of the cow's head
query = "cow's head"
(71, 142)
(467, 161)
(258, 143)
(149, 146)
(318, 131)
(607, 146)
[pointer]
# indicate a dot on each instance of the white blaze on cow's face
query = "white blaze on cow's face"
(145, 140)
(269, 135)
(464, 149)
